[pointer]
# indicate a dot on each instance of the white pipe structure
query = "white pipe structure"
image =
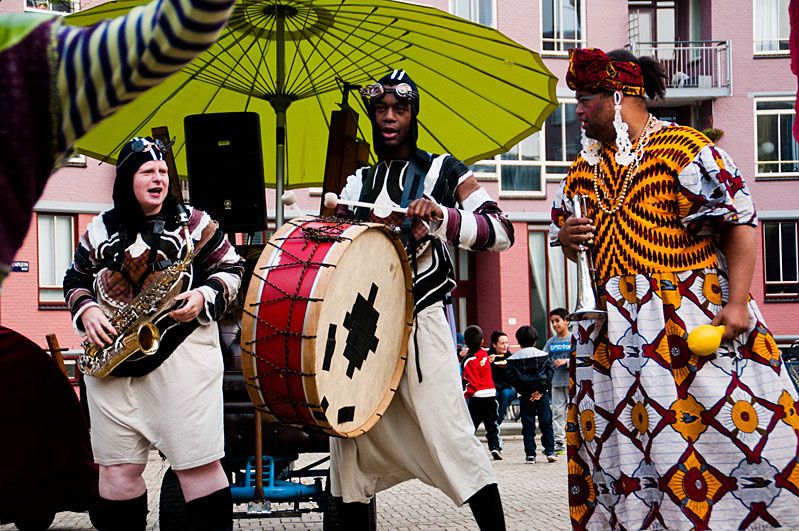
(332, 201)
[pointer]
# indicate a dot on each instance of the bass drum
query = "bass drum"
(326, 324)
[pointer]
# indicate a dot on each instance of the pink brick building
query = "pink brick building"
(727, 72)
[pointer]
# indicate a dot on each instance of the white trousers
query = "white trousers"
(426, 432)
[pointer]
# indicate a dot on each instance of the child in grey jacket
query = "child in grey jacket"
(530, 373)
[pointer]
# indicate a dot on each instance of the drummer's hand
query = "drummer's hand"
(191, 309)
(576, 232)
(735, 318)
(97, 326)
(425, 210)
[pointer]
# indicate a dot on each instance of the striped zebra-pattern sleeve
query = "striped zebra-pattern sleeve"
(479, 225)
(109, 64)
(217, 260)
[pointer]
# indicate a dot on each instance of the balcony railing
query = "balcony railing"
(690, 64)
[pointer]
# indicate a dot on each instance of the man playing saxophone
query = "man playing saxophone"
(172, 398)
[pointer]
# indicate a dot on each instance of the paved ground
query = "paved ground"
(534, 498)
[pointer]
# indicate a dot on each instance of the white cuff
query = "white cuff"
(209, 294)
(438, 228)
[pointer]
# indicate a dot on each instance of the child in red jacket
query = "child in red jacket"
(480, 392)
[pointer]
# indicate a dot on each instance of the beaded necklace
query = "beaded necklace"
(632, 169)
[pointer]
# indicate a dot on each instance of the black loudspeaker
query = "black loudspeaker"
(226, 168)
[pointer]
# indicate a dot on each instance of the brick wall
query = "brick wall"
(19, 300)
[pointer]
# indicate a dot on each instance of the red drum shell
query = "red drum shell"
(326, 324)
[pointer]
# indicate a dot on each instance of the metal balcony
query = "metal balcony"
(695, 70)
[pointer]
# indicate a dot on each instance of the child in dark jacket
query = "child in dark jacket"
(480, 390)
(530, 372)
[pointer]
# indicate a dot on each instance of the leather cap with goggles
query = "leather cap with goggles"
(140, 145)
(376, 91)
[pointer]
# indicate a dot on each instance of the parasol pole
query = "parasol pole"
(280, 102)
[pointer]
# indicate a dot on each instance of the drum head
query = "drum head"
(361, 333)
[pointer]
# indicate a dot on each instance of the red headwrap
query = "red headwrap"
(590, 69)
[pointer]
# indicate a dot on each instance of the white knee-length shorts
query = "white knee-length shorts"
(177, 408)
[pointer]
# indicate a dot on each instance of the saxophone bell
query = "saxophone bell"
(149, 339)
(586, 290)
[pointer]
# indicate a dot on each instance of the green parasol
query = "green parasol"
(291, 60)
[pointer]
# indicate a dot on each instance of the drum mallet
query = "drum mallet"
(332, 200)
(289, 199)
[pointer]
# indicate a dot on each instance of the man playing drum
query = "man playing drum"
(426, 432)
(173, 398)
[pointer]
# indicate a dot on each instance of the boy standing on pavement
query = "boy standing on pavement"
(480, 391)
(530, 372)
(558, 347)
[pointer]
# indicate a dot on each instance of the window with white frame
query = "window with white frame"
(61, 7)
(547, 154)
(772, 26)
(480, 11)
(777, 150)
(561, 25)
(56, 248)
(781, 260)
(553, 280)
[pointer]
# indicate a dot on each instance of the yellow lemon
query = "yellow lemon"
(704, 340)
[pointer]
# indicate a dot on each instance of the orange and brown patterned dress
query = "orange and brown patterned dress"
(658, 437)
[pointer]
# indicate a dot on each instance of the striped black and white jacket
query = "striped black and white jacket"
(98, 277)
(472, 220)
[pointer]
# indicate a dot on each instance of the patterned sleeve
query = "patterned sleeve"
(561, 210)
(479, 225)
(79, 279)
(217, 261)
(109, 64)
(713, 191)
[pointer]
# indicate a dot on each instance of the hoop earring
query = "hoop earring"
(624, 155)
(590, 150)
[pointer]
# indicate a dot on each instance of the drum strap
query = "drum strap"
(412, 190)
(362, 213)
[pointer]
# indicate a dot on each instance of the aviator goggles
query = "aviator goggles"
(142, 144)
(375, 91)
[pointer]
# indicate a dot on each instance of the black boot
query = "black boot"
(354, 516)
(486, 507)
(213, 512)
(120, 515)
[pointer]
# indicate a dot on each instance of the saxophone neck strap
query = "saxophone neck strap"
(155, 247)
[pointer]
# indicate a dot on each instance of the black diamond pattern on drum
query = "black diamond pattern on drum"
(330, 347)
(346, 414)
(361, 321)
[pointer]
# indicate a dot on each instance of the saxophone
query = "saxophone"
(134, 321)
